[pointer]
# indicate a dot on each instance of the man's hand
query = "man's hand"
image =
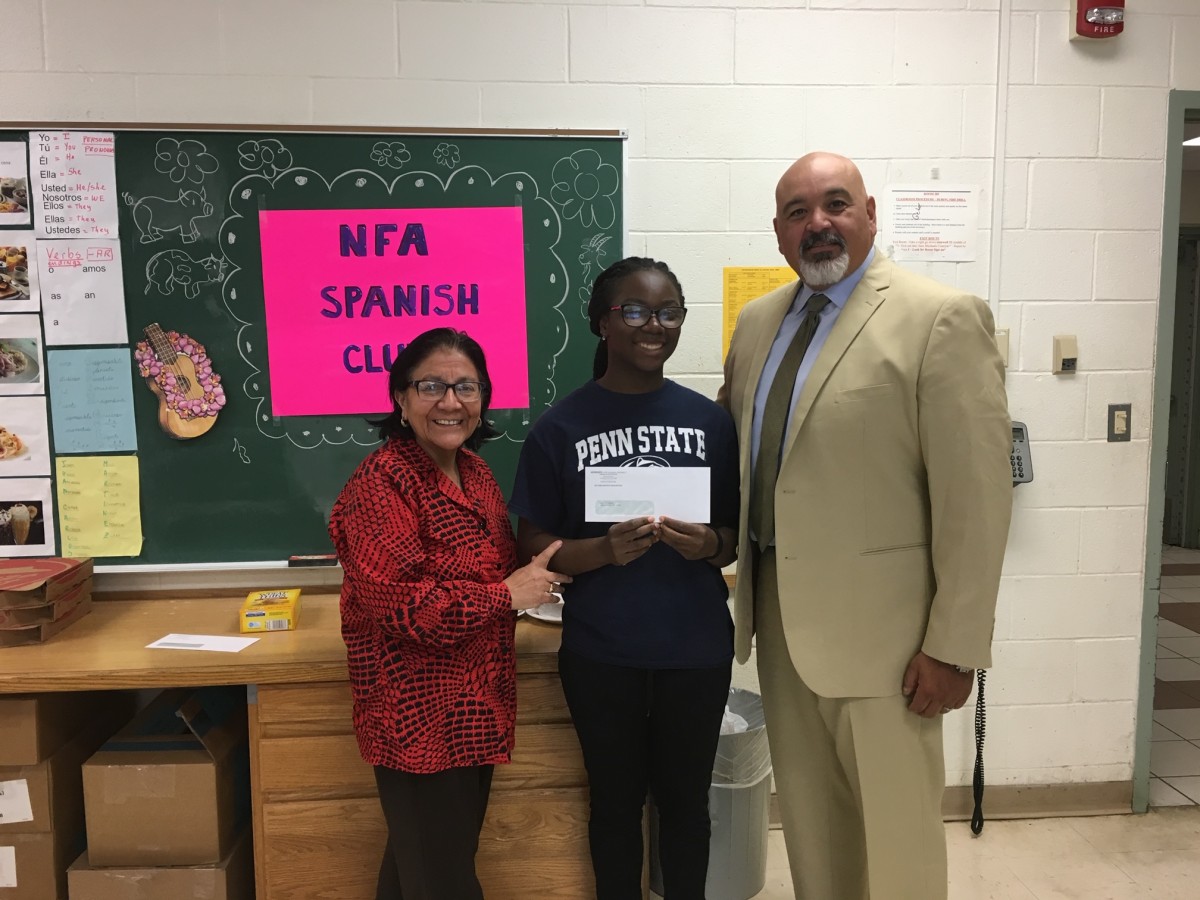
(935, 687)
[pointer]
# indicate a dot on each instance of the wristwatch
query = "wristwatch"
(963, 670)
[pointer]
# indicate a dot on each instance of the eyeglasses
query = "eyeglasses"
(637, 315)
(466, 391)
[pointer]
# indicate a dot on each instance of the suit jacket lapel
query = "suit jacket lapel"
(773, 317)
(861, 305)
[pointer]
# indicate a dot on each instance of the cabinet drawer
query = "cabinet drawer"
(327, 767)
(324, 849)
(527, 834)
(292, 710)
(318, 767)
(286, 710)
(546, 756)
(540, 699)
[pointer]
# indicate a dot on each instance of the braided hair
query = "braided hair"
(604, 288)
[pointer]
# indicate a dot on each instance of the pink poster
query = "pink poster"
(346, 289)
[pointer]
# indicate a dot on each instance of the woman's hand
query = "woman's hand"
(692, 541)
(535, 584)
(630, 539)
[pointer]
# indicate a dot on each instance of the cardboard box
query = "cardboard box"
(230, 879)
(41, 597)
(67, 612)
(37, 582)
(48, 796)
(34, 866)
(35, 726)
(15, 617)
(172, 788)
(270, 611)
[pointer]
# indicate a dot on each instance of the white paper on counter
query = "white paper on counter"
(212, 642)
(14, 802)
(83, 294)
(614, 494)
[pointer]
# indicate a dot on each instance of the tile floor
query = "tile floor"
(1155, 856)
(1150, 857)
(1175, 751)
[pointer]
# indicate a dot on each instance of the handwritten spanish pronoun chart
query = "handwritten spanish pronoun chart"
(73, 176)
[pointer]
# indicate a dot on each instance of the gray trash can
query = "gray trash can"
(739, 803)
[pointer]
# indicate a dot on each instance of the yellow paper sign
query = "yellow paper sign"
(743, 284)
(99, 505)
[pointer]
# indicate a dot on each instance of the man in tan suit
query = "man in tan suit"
(876, 495)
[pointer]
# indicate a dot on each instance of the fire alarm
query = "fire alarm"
(1097, 18)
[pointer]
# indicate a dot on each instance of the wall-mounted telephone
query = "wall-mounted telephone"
(1022, 462)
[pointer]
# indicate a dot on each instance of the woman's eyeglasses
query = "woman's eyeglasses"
(465, 391)
(637, 315)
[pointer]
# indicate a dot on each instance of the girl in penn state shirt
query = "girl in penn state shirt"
(647, 645)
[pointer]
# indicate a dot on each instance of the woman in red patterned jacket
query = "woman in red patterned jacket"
(428, 604)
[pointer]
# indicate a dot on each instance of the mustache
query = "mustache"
(822, 237)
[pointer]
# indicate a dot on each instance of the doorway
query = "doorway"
(1167, 747)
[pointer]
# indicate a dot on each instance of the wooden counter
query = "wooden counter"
(107, 648)
(318, 829)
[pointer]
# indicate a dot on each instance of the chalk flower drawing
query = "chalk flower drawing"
(267, 157)
(391, 154)
(183, 160)
(584, 186)
(447, 155)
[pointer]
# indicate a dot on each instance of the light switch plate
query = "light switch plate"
(1120, 424)
(1002, 345)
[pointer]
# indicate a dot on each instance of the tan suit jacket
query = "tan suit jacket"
(895, 491)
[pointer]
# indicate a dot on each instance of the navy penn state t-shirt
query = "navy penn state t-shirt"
(660, 611)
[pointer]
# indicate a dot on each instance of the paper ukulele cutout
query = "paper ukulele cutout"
(177, 369)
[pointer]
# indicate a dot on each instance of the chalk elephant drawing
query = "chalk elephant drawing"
(174, 270)
(155, 216)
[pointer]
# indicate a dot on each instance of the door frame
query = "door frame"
(1180, 103)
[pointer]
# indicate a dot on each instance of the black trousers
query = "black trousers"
(433, 832)
(647, 730)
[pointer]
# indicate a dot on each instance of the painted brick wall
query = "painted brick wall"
(718, 96)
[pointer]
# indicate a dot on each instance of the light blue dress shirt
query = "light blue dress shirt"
(838, 294)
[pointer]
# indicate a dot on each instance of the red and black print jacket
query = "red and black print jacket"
(426, 618)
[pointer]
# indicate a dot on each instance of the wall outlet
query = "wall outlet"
(1066, 354)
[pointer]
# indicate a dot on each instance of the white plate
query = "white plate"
(547, 612)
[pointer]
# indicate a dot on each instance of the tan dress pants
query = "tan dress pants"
(859, 780)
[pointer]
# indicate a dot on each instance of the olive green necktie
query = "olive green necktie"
(775, 415)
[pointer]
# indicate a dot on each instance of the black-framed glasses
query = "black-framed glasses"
(637, 315)
(466, 391)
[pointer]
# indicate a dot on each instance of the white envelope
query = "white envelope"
(616, 494)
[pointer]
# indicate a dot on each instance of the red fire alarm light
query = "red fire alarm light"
(1097, 19)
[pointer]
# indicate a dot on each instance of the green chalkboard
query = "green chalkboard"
(257, 487)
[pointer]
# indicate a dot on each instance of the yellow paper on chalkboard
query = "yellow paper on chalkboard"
(743, 284)
(99, 505)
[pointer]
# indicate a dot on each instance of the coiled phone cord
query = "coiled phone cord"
(980, 732)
